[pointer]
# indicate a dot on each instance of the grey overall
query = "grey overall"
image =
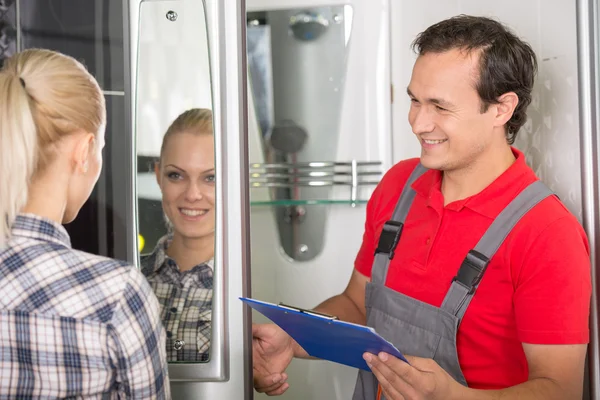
(420, 329)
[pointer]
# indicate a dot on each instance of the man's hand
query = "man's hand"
(273, 349)
(421, 379)
(272, 352)
(555, 372)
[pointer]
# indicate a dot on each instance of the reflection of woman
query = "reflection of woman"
(180, 269)
(74, 325)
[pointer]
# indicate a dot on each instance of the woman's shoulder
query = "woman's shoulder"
(107, 263)
(111, 273)
(150, 262)
(90, 276)
(147, 263)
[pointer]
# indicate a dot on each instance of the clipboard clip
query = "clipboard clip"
(309, 312)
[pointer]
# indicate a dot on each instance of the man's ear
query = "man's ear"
(83, 146)
(505, 108)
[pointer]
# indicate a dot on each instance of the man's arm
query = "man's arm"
(350, 305)
(551, 304)
(555, 372)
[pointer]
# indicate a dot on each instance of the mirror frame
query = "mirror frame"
(231, 337)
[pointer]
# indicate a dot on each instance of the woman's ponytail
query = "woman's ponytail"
(18, 149)
(44, 96)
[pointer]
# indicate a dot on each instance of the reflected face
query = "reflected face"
(186, 177)
(81, 188)
(445, 112)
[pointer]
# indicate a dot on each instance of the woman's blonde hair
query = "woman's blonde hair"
(198, 121)
(44, 96)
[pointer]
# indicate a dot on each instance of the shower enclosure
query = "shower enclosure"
(309, 112)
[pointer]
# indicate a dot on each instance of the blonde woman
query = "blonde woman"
(180, 269)
(72, 324)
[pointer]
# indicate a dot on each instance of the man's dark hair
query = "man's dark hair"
(507, 64)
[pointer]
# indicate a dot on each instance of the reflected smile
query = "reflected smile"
(192, 212)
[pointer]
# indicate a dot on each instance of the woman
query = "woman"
(180, 269)
(72, 324)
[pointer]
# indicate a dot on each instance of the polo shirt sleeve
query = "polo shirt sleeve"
(553, 286)
(364, 259)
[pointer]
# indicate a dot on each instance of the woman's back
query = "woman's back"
(71, 323)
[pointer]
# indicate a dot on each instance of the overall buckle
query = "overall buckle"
(388, 240)
(472, 269)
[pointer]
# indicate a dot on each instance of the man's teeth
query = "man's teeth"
(434, 141)
(193, 213)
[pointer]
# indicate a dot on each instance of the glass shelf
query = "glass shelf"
(306, 202)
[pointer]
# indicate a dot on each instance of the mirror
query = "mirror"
(176, 171)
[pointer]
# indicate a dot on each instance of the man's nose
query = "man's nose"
(421, 120)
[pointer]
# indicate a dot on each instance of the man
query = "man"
(481, 314)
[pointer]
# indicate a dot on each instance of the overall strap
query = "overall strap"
(392, 229)
(473, 267)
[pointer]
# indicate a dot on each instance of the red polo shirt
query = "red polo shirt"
(536, 288)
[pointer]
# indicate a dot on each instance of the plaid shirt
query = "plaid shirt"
(73, 324)
(185, 303)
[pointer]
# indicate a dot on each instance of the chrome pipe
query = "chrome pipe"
(589, 114)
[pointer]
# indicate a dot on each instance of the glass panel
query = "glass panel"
(90, 30)
(8, 29)
(176, 170)
(306, 202)
(93, 33)
(297, 64)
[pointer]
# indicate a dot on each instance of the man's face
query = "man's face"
(445, 112)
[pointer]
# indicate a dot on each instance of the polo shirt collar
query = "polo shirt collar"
(491, 200)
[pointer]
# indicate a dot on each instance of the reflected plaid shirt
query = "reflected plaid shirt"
(185, 300)
(73, 324)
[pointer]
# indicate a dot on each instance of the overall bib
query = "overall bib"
(415, 327)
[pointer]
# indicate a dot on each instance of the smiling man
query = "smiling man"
(487, 290)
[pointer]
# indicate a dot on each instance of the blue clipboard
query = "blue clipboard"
(324, 336)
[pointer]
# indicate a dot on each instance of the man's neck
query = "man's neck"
(465, 182)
